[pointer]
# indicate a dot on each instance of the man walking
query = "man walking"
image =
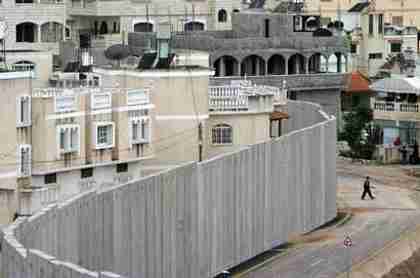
(366, 189)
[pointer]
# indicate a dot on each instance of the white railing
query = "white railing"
(235, 97)
(227, 98)
(280, 95)
(390, 106)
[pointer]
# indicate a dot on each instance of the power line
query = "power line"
(172, 136)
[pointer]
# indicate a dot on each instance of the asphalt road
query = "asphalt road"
(374, 224)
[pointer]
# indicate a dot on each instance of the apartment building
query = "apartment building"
(374, 41)
(35, 28)
(396, 12)
(395, 108)
(114, 124)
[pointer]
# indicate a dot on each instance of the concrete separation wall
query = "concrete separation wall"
(190, 221)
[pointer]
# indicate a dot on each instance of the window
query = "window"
(380, 23)
(222, 15)
(375, 55)
(27, 32)
(267, 28)
(24, 160)
(143, 27)
(68, 138)
(86, 173)
(23, 111)
(222, 134)
(140, 131)
(65, 104)
(50, 178)
(24, 66)
(101, 100)
(137, 97)
(298, 23)
(353, 48)
(104, 135)
(395, 47)
(371, 24)
(122, 167)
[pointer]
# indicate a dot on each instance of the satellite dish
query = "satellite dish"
(117, 52)
(3, 29)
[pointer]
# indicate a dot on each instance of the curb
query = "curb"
(406, 234)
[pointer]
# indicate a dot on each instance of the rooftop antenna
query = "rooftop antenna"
(147, 13)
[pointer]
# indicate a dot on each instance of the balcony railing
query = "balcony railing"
(227, 98)
(389, 106)
(242, 95)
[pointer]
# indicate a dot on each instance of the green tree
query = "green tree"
(357, 125)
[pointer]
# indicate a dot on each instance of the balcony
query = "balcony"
(243, 96)
(392, 110)
(296, 82)
(12, 72)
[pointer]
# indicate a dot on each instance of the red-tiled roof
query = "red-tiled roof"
(358, 83)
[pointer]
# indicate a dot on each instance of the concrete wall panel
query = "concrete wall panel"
(191, 221)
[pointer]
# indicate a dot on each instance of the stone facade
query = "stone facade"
(266, 49)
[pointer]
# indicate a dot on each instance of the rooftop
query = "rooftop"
(357, 82)
(399, 85)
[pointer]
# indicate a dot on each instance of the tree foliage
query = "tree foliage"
(358, 132)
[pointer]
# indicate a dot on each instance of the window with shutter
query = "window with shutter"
(68, 138)
(140, 130)
(23, 111)
(24, 160)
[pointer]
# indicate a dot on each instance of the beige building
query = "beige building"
(112, 125)
(373, 41)
(396, 12)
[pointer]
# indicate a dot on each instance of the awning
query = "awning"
(277, 115)
(397, 85)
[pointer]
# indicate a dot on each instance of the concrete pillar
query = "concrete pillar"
(265, 67)
(306, 62)
(38, 39)
(257, 64)
(222, 66)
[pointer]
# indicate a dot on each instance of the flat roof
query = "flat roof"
(399, 85)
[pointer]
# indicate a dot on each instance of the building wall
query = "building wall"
(328, 99)
(38, 13)
(408, 9)
(11, 136)
(191, 221)
(247, 129)
(181, 102)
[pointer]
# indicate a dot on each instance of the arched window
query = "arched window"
(24, 66)
(194, 26)
(222, 134)
(51, 32)
(27, 32)
(143, 27)
(104, 28)
(222, 15)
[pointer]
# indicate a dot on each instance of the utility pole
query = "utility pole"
(200, 142)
